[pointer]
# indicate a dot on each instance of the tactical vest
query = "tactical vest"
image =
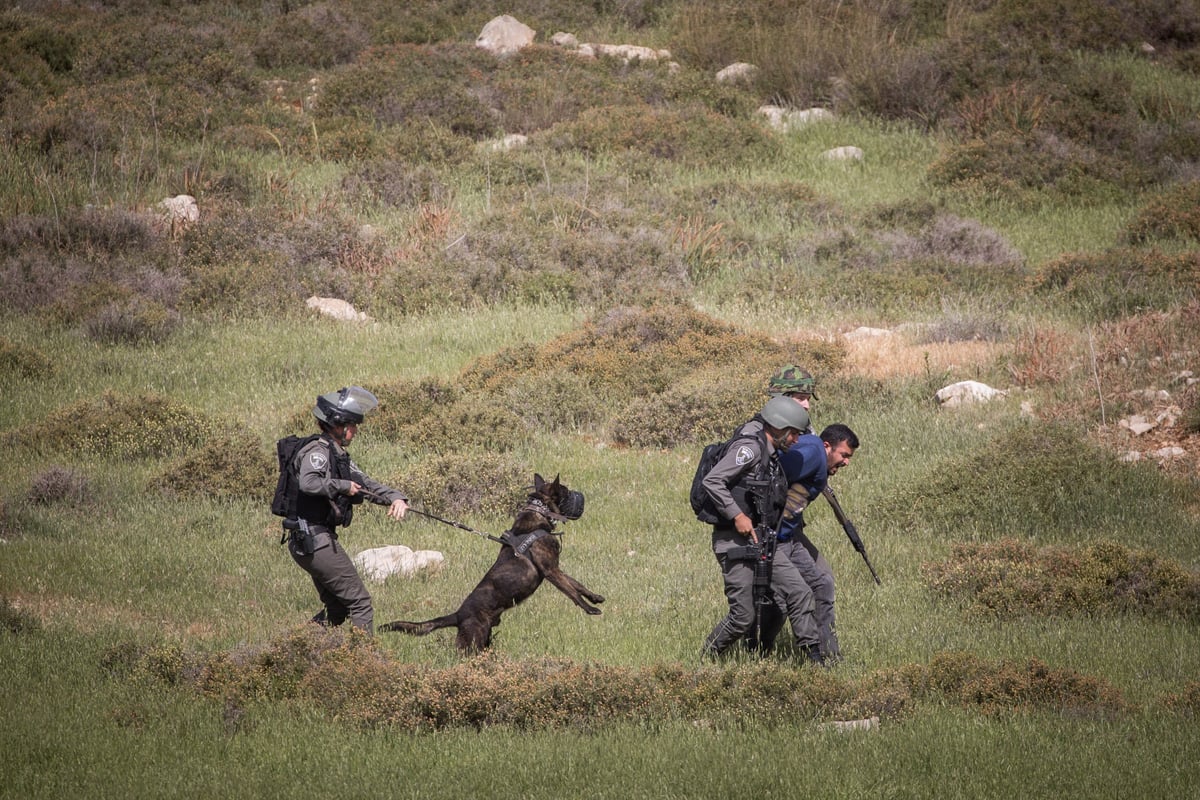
(762, 495)
(334, 512)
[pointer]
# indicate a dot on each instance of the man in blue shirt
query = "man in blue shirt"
(808, 465)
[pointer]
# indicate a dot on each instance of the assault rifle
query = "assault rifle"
(763, 599)
(848, 527)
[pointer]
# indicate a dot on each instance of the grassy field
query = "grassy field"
(599, 305)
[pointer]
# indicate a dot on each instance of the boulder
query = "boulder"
(964, 392)
(180, 210)
(380, 563)
(847, 153)
(625, 52)
(504, 35)
(338, 309)
(739, 72)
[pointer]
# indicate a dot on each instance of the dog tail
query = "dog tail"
(420, 628)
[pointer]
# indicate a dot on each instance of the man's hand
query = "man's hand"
(397, 509)
(745, 526)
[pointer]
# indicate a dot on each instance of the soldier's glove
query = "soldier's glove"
(797, 501)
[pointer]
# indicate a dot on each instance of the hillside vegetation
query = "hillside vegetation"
(599, 301)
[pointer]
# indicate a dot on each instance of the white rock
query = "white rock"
(180, 209)
(1168, 453)
(807, 116)
(1137, 424)
(566, 40)
(338, 309)
(963, 392)
(776, 116)
(850, 725)
(864, 332)
(505, 34)
(846, 153)
(738, 72)
(510, 142)
(380, 563)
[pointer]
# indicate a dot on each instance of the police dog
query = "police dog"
(528, 555)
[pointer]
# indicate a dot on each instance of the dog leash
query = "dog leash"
(369, 494)
(372, 496)
(458, 525)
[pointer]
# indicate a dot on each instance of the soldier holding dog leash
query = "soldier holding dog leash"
(328, 486)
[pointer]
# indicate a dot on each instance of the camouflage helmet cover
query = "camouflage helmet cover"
(792, 378)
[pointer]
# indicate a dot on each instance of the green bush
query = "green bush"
(1172, 214)
(224, 469)
(1009, 578)
(703, 407)
(1005, 484)
(470, 425)
(18, 362)
(316, 36)
(470, 484)
(689, 136)
(14, 619)
(1121, 281)
(117, 426)
(407, 84)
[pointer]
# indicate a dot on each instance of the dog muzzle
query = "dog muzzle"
(572, 506)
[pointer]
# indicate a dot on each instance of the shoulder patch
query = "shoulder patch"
(745, 454)
(318, 460)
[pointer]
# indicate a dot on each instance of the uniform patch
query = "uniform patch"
(744, 455)
(318, 460)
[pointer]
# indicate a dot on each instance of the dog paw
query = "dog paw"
(593, 611)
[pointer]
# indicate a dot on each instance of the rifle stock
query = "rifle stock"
(848, 527)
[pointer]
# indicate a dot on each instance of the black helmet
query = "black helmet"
(346, 406)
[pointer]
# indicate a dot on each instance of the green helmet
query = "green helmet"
(783, 412)
(792, 379)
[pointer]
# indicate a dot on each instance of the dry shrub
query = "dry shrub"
(1003, 686)
(117, 426)
(627, 353)
(954, 240)
(18, 362)
(135, 320)
(222, 468)
(1187, 701)
(345, 674)
(59, 485)
(1043, 357)
(1010, 578)
(455, 484)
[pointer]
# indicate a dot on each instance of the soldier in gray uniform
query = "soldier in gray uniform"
(330, 485)
(749, 489)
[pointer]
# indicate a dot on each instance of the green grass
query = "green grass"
(798, 249)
